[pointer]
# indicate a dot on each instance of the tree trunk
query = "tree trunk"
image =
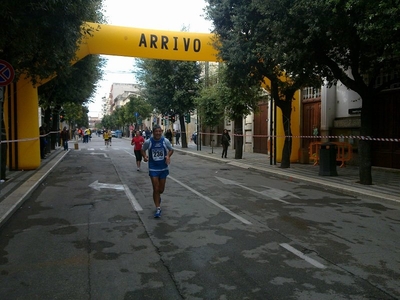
(238, 137)
(183, 131)
(286, 109)
(365, 146)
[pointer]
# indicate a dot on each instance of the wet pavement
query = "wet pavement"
(231, 229)
(386, 182)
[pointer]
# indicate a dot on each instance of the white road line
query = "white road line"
(303, 256)
(227, 210)
(136, 206)
(130, 153)
(93, 153)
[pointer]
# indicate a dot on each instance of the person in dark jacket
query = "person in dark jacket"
(226, 140)
(177, 137)
(168, 135)
(65, 138)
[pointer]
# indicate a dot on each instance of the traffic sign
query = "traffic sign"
(6, 73)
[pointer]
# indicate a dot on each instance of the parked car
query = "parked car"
(117, 133)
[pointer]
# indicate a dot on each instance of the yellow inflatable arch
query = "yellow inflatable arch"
(22, 107)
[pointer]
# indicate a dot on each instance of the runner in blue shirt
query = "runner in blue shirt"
(160, 151)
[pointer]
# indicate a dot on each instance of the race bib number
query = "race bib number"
(157, 154)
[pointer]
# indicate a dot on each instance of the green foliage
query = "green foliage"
(76, 84)
(109, 121)
(335, 36)
(210, 107)
(137, 105)
(354, 41)
(40, 38)
(247, 43)
(169, 86)
(229, 96)
(76, 114)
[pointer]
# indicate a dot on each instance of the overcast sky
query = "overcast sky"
(150, 14)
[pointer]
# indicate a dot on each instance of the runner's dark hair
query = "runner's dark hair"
(156, 127)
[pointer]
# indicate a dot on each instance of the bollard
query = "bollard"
(327, 160)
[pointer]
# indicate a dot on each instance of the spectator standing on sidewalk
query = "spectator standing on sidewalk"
(159, 157)
(168, 135)
(76, 135)
(43, 141)
(226, 140)
(137, 142)
(65, 138)
(177, 137)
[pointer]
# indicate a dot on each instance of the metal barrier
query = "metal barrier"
(344, 152)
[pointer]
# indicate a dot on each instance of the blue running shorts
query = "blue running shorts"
(159, 174)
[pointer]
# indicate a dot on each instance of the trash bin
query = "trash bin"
(327, 160)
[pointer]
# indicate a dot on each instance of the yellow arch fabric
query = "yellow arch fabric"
(146, 43)
(108, 40)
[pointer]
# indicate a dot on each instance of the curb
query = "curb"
(14, 201)
(348, 190)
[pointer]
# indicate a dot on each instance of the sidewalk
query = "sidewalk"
(21, 184)
(386, 182)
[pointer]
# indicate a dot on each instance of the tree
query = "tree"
(354, 42)
(246, 44)
(40, 39)
(228, 97)
(139, 106)
(170, 87)
(75, 85)
(210, 106)
(76, 114)
(239, 97)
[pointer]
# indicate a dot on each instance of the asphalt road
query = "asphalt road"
(88, 232)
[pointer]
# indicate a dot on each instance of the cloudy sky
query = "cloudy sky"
(150, 14)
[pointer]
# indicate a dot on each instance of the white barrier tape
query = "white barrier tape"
(28, 139)
(365, 138)
(358, 137)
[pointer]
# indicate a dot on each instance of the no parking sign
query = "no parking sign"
(6, 73)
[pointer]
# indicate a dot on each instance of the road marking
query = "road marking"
(271, 192)
(303, 256)
(93, 153)
(130, 153)
(98, 186)
(119, 187)
(135, 204)
(227, 210)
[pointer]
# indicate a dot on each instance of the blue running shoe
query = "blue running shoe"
(158, 213)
